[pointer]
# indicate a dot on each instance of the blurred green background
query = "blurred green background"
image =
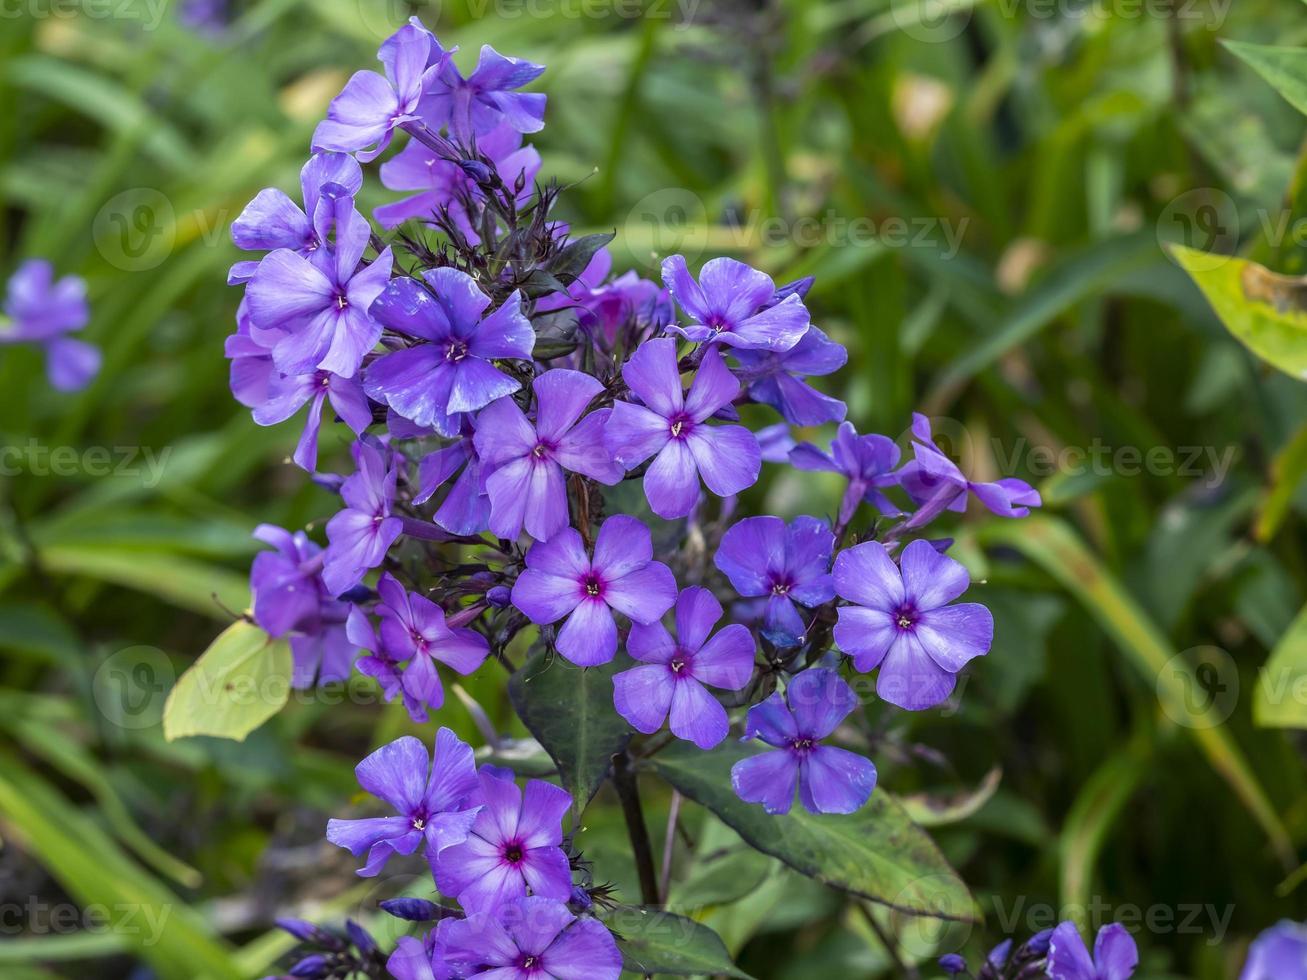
(982, 191)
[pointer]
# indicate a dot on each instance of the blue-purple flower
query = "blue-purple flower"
(866, 462)
(413, 639)
(319, 304)
(514, 846)
(775, 378)
(829, 779)
(902, 621)
(525, 462)
(789, 566)
(449, 370)
(937, 484)
(43, 312)
(1279, 953)
(673, 427)
(1115, 955)
(734, 304)
(370, 107)
(528, 939)
(290, 598)
(676, 671)
(436, 801)
(487, 98)
(361, 534)
(561, 580)
(466, 508)
(272, 220)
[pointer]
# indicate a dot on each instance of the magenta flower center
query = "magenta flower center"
(342, 301)
(905, 617)
(681, 426)
(781, 585)
(802, 744)
(529, 962)
(594, 585)
(679, 663)
(513, 853)
(541, 450)
(456, 352)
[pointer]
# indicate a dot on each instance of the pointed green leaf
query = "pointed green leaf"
(1266, 312)
(570, 711)
(877, 853)
(655, 941)
(1284, 68)
(241, 681)
(1281, 697)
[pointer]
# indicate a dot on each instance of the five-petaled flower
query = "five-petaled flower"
(902, 621)
(734, 304)
(866, 462)
(486, 99)
(42, 311)
(360, 535)
(1115, 955)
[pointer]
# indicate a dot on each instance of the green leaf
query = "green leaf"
(175, 940)
(653, 940)
(1267, 313)
(723, 877)
(1281, 697)
(241, 681)
(1284, 68)
(570, 711)
(876, 853)
(1054, 546)
(938, 809)
(1288, 469)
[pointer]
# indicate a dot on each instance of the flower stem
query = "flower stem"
(641, 846)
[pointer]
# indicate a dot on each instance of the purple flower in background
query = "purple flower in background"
(830, 780)
(936, 483)
(514, 845)
(436, 801)
(1279, 953)
(486, 99)
(442, 183)
(561, 580)
(763, 557)
(1115, 955)
(42, 311)
(867, 462)
(774, 378)
(673, 427)
(413, 632)
(603, 308)
(290, 598)
(674, 670)
(775, 442)
(320, 303)
(449, 371)
(272, 220)
(420, 959)
(466, 508)
(361, 534)
(902, 621)
(733, 304)
(530, 939)
(370, 107)
(525, 462)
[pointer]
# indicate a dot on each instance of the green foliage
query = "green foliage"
(655, 941)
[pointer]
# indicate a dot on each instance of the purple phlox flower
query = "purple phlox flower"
(775, 378)
(733, 304)
(775, 441)
(290, 598)
(514, 845)
(436, 799)
(272, 220)
(442, 183)
(361, 534)
(867, 462)
(1279, 953)
(561, 580)
(902, 621)
(1115, 955)
(370, 107)
(525, 462)
(42, 311)
(763, 557)
(250, 352)
(674, 671)
(449, 370)
(673, 427)
(466, 507)
(414, 634)
(485, 99)
(604, 307)
(379, 665)
(421, 959)
(531, 939)
(320, 303)
(936, 483)
(829, 779)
